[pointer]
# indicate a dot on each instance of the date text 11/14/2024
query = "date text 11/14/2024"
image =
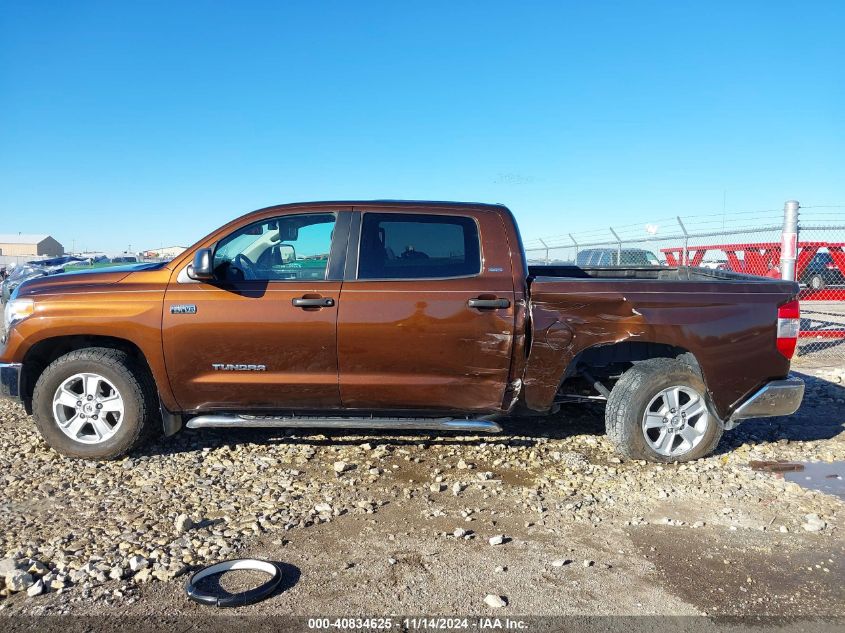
(419, 623)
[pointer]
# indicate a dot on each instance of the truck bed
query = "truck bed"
(726, 320)
(662, 273)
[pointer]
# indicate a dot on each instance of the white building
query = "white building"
(163, 252)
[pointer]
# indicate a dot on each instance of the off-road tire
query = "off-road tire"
(630, 397)
(133, 380)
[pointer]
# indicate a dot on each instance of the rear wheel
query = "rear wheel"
(816, 282)
(658, 411)
(95, 403)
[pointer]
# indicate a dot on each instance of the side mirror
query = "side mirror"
(201, 268)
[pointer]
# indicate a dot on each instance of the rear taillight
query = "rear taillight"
(789, 324)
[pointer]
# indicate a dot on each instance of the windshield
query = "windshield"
(20, 272)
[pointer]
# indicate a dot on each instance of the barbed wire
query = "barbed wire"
(734, 220)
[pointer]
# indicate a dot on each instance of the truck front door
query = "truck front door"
(426, 316)
(263, 333)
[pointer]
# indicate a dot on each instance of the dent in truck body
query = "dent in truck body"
(734, 321)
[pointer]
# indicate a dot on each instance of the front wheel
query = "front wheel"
(658, 411)
(95, 403)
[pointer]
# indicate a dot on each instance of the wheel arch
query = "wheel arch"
(607, 361)
(626, 353)
(603, 360)
(41, 354)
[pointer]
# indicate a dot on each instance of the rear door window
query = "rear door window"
(418, 246)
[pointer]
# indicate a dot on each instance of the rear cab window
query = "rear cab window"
(418, 246)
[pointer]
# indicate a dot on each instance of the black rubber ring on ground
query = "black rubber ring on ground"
(238, 599)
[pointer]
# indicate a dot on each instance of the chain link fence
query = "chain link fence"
(805, 243)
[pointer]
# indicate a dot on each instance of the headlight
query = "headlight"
(17, 310)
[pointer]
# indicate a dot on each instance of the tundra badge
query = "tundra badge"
(237, 367)
(183, 309)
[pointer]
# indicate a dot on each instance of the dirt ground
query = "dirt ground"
(584, 533)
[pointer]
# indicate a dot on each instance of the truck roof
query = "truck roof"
(388, 203)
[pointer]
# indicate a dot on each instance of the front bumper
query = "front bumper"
(778, 397)
(10, 381)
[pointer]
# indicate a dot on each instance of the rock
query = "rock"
(38, 568)
(323, 508)
(78, 576)
(183, 523)
(589, 563)
(164, 574)
(560, 562)
(495, 602)
(497, 540)
(341, 467)
(116, 573)
(143, 575)
(7, 565)
(18, 580)
(36, 589)
(137, 563)
(437, 487)
(814, 523)
(459, 533)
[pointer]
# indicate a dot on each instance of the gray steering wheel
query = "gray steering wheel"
(243, 264)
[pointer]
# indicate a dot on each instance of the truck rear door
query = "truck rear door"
(426, 315)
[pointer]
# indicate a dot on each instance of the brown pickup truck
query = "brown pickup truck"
(393, 315)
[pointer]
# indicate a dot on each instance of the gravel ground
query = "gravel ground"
(383, 523)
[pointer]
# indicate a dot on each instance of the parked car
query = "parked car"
(720, 264)
(124, 259)
(31, 270)
(616, 257)
(821, 272)
(400, 315)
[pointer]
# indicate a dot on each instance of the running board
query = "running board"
(318, 422)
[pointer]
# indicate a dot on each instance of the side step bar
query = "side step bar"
(329, 422)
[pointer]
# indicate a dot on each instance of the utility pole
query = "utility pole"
(789, 240)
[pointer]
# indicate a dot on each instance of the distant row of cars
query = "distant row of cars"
(30, 270)
(15, 276)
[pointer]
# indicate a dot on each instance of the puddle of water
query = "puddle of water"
(827, 477)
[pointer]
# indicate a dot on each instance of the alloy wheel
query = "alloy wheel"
(675, 421)
(88, 408)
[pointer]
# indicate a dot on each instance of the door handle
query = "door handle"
(488, 304)
(308, 302)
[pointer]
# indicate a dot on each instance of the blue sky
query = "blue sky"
(151, 123)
